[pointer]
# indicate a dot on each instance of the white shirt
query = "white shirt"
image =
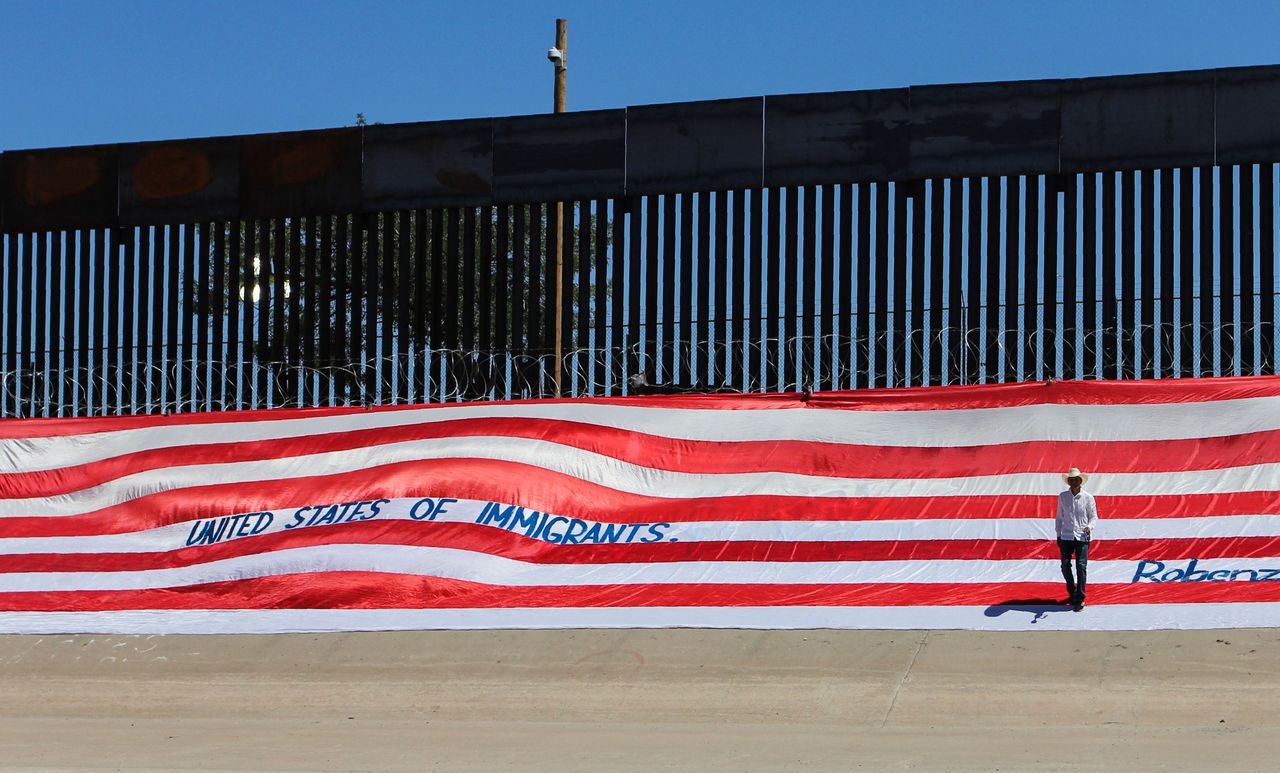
(1075, 512)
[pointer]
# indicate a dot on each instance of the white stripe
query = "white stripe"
(1109, 617)
(974, 529)
(450, 563)
(931, 428)
(175, 536)
(624, 476)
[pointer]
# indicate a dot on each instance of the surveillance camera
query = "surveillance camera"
(555, 55)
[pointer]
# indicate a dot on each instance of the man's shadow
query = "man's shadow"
(1038, 608)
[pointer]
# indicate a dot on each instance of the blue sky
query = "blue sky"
(95, 72)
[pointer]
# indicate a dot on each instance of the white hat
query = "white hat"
(1075, 473)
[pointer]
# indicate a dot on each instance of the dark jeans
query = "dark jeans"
(1067, 548)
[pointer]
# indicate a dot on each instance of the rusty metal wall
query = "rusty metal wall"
(1099, 228)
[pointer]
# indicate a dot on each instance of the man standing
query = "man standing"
(1077, 515)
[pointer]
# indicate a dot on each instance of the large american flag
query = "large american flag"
(905, 508)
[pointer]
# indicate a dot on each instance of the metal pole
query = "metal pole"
(562, 41)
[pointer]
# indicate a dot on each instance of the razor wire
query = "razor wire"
(91, 382)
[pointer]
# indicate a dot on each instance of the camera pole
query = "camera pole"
(562, 41)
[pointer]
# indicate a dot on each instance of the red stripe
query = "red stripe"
(38, 428)
(702, 457)
(540, 489)
(370, 590)
(912, 398)
(1135, 392)
(498, 542)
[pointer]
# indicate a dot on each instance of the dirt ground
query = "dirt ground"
(704, 700)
